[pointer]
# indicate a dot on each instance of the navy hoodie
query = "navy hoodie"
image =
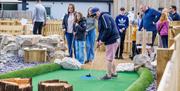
(108, 32)
(149, 20)
(80, 30)
(122, 21)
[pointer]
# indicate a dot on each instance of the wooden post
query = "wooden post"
(16, 84)
(163, 56)
(177, 63)
(54, 85)
(144, 42)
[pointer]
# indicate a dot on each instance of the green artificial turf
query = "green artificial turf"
(144, 80)
(121, 83)
(30, 72)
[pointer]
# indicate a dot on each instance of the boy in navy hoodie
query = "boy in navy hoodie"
(122, 23)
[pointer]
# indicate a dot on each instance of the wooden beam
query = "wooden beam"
(163, 56)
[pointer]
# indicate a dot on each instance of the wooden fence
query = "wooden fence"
(171, 78)
(14, 27)
(168, 62)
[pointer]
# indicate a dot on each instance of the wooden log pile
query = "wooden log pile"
(54, 85)
(16, 84)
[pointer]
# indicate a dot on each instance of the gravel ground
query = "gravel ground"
(13, 63)
(153, 86)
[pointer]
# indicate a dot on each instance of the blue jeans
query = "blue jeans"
(70, 42)
(164, 41)
(90, 44)
(79, 46)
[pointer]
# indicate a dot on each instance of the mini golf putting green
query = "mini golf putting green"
(127, 81)
(121, 83)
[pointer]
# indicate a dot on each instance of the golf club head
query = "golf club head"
(89, 75)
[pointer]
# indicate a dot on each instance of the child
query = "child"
(162, 27)
(133, 37)
(79, 30)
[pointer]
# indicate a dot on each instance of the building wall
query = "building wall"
(58, 9)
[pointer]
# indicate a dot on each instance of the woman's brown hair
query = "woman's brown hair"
(81, 17)
(72, 7)
(88, 15)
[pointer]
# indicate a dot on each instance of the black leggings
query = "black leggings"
(37, 27)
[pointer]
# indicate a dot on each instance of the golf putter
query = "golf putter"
(92, 65)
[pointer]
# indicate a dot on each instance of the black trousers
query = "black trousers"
(37, 27)
(134, 49)
(123, 34)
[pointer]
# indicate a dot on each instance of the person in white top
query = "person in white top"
(67, 24)
(39, 17)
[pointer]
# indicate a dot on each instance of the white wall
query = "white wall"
(58, 9)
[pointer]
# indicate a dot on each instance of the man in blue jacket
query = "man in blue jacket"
(149, 20)
(108, 34)
(122, 22)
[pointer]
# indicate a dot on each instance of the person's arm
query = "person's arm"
(63, 22)
(45, 17)
(82, 27)
(141, 25)
(127, 23)
(106, 27)
(157, 15)
(116, 20)
(158, 26)
(34, 15)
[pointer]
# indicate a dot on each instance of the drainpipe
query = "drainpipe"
(24, 3)
(109, 7)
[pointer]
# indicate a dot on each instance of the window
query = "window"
(0, 6)
(10, 7)
(48, 11)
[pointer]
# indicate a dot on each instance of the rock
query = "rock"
(10, 47)
(140, 59)
(57, 61)
(59, 54)
(6, 39)
(143, 60)
(21, 53)
(52, 40)
(69, 63)
(43, 45)
(26, 40)
(2, 61)
(125, 67)
(1, 65)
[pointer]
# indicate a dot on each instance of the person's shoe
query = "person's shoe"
(114, 75)
(86, 62)
(105, 77)
(116, 57)
(131, 58)
(121, 57)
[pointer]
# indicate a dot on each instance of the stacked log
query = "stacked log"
(54, 85)
(16, 84)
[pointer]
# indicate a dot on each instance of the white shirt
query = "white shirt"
(70, 23)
